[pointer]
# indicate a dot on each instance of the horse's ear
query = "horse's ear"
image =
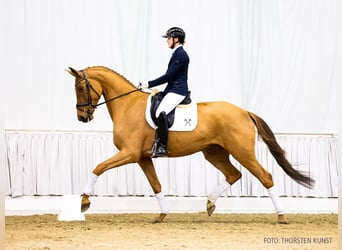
(74, 72)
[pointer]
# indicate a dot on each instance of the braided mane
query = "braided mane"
(113, 71)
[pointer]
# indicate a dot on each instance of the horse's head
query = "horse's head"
(88, 93)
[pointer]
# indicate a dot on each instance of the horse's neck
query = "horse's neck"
(113, 84)
(114, 87)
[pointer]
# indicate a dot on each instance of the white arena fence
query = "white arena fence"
(49, 163)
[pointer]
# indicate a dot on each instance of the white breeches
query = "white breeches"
(169, 102)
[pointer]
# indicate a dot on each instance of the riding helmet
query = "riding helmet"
(175, 32)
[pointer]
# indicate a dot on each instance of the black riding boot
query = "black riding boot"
(160, 147)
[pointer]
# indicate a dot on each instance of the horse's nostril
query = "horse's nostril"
(82, 119)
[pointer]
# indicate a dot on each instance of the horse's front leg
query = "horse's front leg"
(121, 158)
(147, 166)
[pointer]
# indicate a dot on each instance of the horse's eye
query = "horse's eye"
(80, 90)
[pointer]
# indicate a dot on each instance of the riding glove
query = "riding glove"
(143, 85)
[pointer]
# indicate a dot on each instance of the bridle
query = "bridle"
(90, 103)
(89, 87)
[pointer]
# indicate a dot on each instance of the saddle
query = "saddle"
(155, 102)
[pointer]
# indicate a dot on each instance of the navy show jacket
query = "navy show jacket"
(176, 75)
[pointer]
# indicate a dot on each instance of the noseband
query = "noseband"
(90, 103)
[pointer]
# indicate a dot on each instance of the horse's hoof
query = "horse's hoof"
(85, 203)
(281, 219)
(159, 219)
(210, 207)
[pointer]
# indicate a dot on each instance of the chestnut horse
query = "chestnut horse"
(223, 129)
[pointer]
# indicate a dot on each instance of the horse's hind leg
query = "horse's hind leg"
(251, 163)
(146, 165)
(217, 156)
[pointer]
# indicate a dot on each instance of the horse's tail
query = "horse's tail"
(278, 153)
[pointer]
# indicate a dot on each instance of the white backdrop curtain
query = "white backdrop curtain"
(280, 59)
(54, 163)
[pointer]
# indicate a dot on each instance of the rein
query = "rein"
(116, 97)
(90, 103)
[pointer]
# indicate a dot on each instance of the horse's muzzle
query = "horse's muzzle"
(86, 118)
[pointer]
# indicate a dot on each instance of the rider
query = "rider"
(176, 90)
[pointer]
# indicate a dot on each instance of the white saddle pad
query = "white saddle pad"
(185, 117)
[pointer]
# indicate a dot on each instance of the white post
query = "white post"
(2, 178)
(70, 210)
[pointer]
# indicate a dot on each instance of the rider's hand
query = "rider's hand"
(143, 85)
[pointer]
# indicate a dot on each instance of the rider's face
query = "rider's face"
(171, 41)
